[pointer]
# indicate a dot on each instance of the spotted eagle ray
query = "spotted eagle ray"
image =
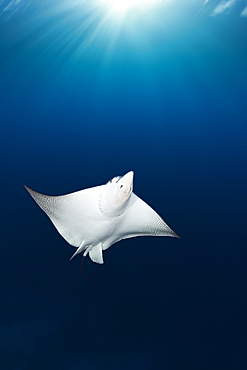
(93, 219)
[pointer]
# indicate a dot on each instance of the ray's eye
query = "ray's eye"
(121, 186)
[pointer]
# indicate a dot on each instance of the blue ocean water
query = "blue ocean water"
(88, 92)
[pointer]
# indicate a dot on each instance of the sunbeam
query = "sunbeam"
(122, 6)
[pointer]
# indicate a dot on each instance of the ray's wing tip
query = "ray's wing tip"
(174, 235)
(31, 192)
(28, 189)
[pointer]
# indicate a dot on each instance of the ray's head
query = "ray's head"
(118, 190)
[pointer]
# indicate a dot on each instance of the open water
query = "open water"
(89, 91)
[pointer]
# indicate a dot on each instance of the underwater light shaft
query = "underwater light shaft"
(124, 5)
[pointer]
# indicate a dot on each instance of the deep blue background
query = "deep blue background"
(169, 104)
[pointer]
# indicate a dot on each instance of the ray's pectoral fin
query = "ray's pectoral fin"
(141, 220)
(96, 254)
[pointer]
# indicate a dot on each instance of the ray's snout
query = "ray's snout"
(128, 179)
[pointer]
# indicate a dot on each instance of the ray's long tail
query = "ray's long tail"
(95, 281)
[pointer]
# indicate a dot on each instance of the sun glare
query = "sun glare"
(125, 5)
